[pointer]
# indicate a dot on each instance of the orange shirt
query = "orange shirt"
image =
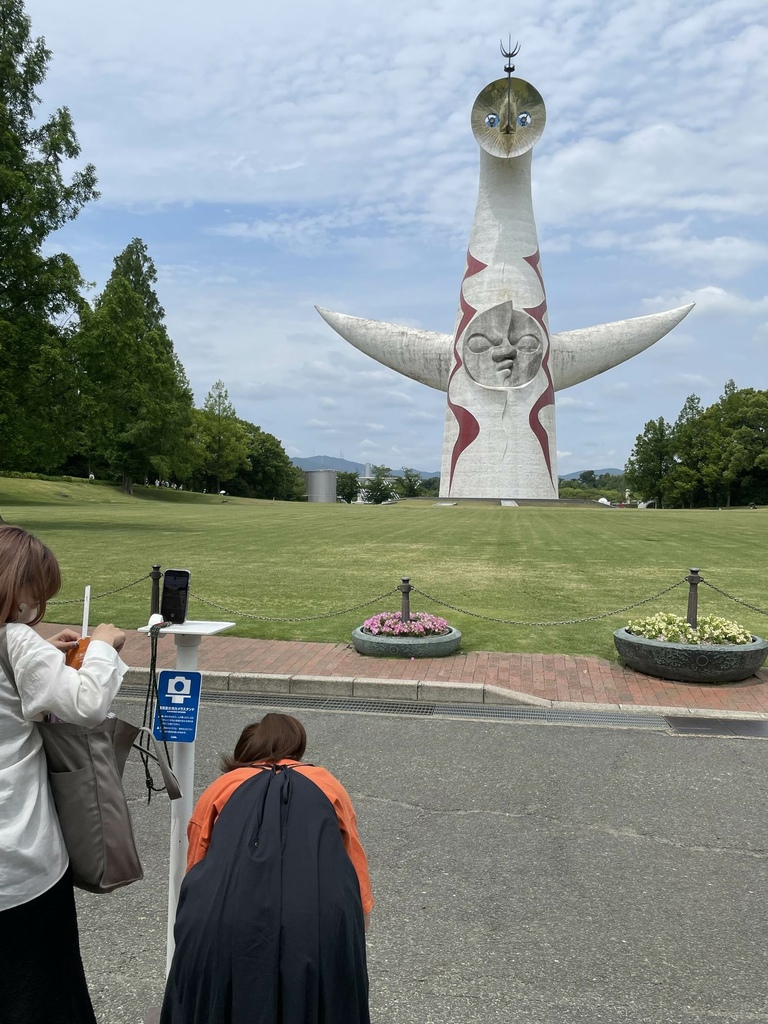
(210, 805)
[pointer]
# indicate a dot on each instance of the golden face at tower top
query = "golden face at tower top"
(508, 117)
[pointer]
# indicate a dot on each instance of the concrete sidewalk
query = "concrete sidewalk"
(558, 680)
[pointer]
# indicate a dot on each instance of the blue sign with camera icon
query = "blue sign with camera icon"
(178, 700)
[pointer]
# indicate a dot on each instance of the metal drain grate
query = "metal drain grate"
(423, 709)
(381, 707)
(553, 715)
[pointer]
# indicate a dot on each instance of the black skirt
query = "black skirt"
(269, 928)
(41, 973)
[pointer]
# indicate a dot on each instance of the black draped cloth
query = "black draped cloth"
(269, 928)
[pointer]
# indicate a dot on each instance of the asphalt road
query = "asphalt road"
(545, 874)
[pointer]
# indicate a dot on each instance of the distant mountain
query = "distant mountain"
(345, 466)
(598, 472)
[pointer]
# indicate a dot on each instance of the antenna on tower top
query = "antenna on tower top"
(509, 53)
(509, 67)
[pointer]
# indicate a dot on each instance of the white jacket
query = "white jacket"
(32, 853)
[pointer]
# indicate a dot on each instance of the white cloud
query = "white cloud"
(569, 402)
(725, 256)
(692, 380)
(618, 391)
(711, 299)
(421, 416)
(400, 398)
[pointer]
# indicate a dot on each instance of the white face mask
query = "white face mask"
(27, 613)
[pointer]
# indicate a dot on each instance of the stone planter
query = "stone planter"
(406, 646)
(691, 663)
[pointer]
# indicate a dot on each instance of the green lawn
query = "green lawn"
(288, 559)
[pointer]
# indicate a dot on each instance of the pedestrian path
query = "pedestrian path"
(277, 666)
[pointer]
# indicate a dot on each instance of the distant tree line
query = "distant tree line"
(383, 486)
(714, 456)
(590, 486)
(96, 388)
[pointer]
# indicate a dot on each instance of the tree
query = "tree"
(736, 441)
(267, 472)
(651, 460)
(689, 442)
(379, 489)
(136, 401)
(347, 486)
(221, 437)
(587, 478)
(721, 451)
(612, 481)
(409, 484)
(299, 485)
(39, 295)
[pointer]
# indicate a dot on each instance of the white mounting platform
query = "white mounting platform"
(193, 628)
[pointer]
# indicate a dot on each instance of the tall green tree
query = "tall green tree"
(717, 455)
(136, 400)
(430, 487)
(221, 437)
(651, 461)
(267, 471)
(39, 294)
(347, 486)
(690, 444)
(735, 465)
(379, 489)
(409, 484)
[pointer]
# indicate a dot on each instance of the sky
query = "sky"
(277, 156)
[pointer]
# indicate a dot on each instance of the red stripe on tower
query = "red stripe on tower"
(548, 396)
(469, 428)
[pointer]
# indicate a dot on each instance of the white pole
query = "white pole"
(86, 610)
(183, 755)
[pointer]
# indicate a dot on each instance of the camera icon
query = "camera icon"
(179, 689)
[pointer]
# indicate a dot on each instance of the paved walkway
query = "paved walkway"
(276, 666)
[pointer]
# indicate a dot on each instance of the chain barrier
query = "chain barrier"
(752, 607)
(428, 597)
(558, 622)
(108, 593)
(304, 618)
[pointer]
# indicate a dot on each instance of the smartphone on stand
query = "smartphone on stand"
(173, 602)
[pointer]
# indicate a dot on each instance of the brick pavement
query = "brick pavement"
(540, 677)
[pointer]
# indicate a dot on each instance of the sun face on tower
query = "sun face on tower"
(508, 117)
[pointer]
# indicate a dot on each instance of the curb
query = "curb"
(277, 685)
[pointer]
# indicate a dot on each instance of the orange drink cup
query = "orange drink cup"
(74, 657)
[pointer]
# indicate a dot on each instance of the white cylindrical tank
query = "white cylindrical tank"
(321, 485)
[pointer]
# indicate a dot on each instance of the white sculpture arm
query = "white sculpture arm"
(579, 355)
(426, 356)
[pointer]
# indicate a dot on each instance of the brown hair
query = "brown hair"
(25, 562)
(273, 738)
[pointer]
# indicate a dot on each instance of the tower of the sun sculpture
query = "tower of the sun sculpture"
(501, 368)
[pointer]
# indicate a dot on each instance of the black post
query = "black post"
(405, 589)
(693, 597)
(155, 576)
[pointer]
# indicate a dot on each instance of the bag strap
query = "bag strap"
(5, 661)
(171, 782)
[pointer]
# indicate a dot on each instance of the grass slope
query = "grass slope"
(289, 559)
